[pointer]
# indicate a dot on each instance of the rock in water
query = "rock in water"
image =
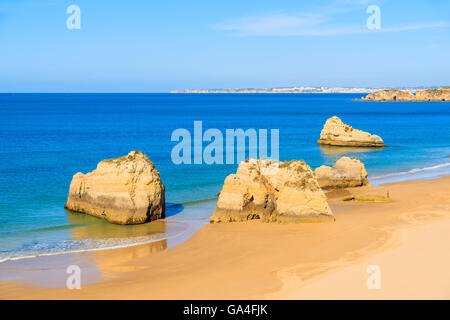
(390, 95)
(125, 190)
(440, 94)
(337, 133)
(272, 191)
(346, 172)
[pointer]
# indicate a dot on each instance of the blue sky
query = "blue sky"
(157, 46)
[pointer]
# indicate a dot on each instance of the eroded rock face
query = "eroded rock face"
(125, 190)
(390, 95)
(272, 191)
(337, 133)
(346, 172)
(440, 94)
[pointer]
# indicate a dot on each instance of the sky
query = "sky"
(158, 46)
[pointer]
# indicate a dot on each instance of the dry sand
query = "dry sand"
(407, 237)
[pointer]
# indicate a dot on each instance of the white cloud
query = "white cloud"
(308, 25)
(273, 25)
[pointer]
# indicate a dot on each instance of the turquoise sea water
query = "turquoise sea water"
(46, 138)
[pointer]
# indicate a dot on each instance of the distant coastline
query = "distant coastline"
(295, 90)
(439, 94)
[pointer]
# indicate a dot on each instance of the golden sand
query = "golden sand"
(407, 237)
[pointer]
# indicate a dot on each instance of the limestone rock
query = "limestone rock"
(346, 172)
(272, 191)
(125, 190)
(390, 95)
(337, 133)
(441, 94)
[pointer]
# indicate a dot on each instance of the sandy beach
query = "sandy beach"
(406, 236)
(198, 155)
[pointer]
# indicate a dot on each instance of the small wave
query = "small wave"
(199, 201)
(100, 245)
(442, 165)
(63, 227)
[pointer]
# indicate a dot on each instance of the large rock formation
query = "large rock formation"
(390, 95)
(337, 133)
(346, 172)
(126, 190)
(440, 94)
(272, 191)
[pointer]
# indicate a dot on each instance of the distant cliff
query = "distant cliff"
(440, 94)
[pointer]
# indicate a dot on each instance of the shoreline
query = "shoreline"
(182, 218)
(233, 261)
(435, 171)
(430, 172)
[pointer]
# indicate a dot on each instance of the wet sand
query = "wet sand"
(407, 237)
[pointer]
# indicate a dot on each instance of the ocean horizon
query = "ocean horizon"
(47, 138)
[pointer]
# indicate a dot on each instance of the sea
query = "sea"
(47, 138)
